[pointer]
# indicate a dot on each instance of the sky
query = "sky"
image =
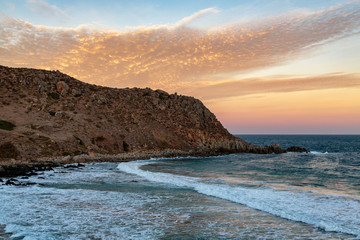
(262, 67)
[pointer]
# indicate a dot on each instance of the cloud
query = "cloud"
(195, 16)
(172, 58)
(44, 8)
(251, 86)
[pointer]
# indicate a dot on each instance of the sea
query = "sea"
(312, 195)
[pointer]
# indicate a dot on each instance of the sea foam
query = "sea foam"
(329, 212)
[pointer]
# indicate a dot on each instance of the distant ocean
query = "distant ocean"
(238, 196)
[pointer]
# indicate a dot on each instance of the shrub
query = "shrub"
(66, 154)
(125, 146)
(46, 153)
(79, 141)
(54, 95)
(6, 125)
(77, 152)
(100, 138)
(8, 150)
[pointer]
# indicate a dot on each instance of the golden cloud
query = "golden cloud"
(174, 57)
(250, 86)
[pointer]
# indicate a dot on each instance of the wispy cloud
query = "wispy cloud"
(197, 15)
(251, 86)
(44, 8)
(172, 58)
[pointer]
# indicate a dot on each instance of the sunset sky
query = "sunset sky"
(272, 67)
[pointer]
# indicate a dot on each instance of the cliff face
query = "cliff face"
(55, 114)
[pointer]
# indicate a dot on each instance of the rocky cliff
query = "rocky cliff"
(48, 113)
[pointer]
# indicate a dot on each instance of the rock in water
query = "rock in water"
(296, 149)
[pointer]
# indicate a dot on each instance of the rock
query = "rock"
(162, 92)
(41, 76)
(62, 88)
(24, 82)
(76, 92)
(297, 149)
(11, 182)
(99, 99)
(47, 116)
(29, 108)
(28, 184)
(42, 87)
(275, 149)
(59, 114)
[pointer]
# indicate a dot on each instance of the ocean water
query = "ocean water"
(238, 196)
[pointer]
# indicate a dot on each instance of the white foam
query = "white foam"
(329, 212)
(75, 213)
(318, 153)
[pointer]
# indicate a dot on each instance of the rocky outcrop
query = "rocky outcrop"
(297, 149)
(57, 115)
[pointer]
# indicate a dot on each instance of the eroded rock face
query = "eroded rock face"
(59, 115)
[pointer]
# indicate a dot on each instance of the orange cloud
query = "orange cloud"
(262, 85)
(174, 57)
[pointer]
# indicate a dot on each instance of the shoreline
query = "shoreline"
(15, 168)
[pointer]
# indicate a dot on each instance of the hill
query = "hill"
(48, 113)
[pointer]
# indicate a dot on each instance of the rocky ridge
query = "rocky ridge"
(49, 114)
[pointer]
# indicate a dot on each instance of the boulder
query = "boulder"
(42, 87)
(59, 114)
(76, 92)
(297, 149)
(47, 116)
(99, 99)
(62, 88)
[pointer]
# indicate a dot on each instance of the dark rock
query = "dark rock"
(9, 182)
(297, 149)
(24, 82)
(28, 184)
(42, 87)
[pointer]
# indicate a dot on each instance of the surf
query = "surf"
(333, 212)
